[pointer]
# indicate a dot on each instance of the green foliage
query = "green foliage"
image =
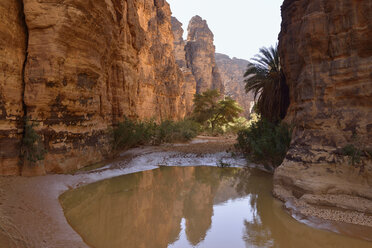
(32, 147)
(266, 80)
(205, 105)
(265, 142)
(223, 164)
(212, 111)
(236, 125)
(353, 153)
(129, 133)
(369, 153)
(182, 131)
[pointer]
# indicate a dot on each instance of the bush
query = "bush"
(264, 142)
(32, 147)
(128, 134)
(353, 153)
(182, 131)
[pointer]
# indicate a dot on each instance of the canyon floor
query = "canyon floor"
(30, 212)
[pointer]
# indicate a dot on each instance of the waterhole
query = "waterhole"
(181, 207)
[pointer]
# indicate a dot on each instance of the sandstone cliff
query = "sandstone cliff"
(326, 54)
(232, 75)
(189, 84)
(196, 58)
(200, 56)
(12, 57)
(76, 68)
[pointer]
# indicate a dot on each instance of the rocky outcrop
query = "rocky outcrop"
(326, 54)
(189, 84)
(13, 37)
(232, 75)
(200, 56)
(76, 68)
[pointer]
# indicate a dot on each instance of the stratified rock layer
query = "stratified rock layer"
(200, 56)
(326, 54)
(88, 63)
(232, 75)
(180, 55)
(12, 57)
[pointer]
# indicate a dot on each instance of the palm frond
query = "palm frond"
(266, 81)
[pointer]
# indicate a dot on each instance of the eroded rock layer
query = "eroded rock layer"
(180, 55)
(200, 56)
(12, 57)
(326, 54)
(232, 75)
(88, 63)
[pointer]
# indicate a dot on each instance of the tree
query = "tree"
(209, 109)
(266, 80)
(227, 111)
(205, 105)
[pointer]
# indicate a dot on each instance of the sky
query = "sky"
(240, 27)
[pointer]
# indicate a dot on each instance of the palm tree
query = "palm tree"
(266, 80)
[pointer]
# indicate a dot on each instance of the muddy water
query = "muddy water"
(184, 207)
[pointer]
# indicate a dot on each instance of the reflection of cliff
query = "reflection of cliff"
(145, 210)
(270, 226)
(118, 212)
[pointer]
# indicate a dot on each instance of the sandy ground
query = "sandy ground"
(30, 213)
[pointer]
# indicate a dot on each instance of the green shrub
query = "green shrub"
(129, 133)
(32, 147)
(264, 142)
(353, 153)
(182, 131)
(223, 164)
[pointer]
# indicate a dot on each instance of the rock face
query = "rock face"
(76, 68)
(326, 54)
(200, 56)
(196, 58)
(232, 75)
(12, 57)
(180, 55)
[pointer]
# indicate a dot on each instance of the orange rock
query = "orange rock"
(89, 63)
(232, 74)
(12, 57)
(326, 54)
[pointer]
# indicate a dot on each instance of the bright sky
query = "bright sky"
(240, 27)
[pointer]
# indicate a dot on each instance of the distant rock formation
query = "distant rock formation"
(77, 68)
(189, 85)
(326, 53)
(200, 52)
(203, 69)
(232, 74)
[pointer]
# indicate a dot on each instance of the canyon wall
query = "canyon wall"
(232, 75)
(326, 53)
(180, 56)
(196, 59)
(76, 68)
(12, 57)
(200, 56)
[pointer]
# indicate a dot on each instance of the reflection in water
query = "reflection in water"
(189, 207)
